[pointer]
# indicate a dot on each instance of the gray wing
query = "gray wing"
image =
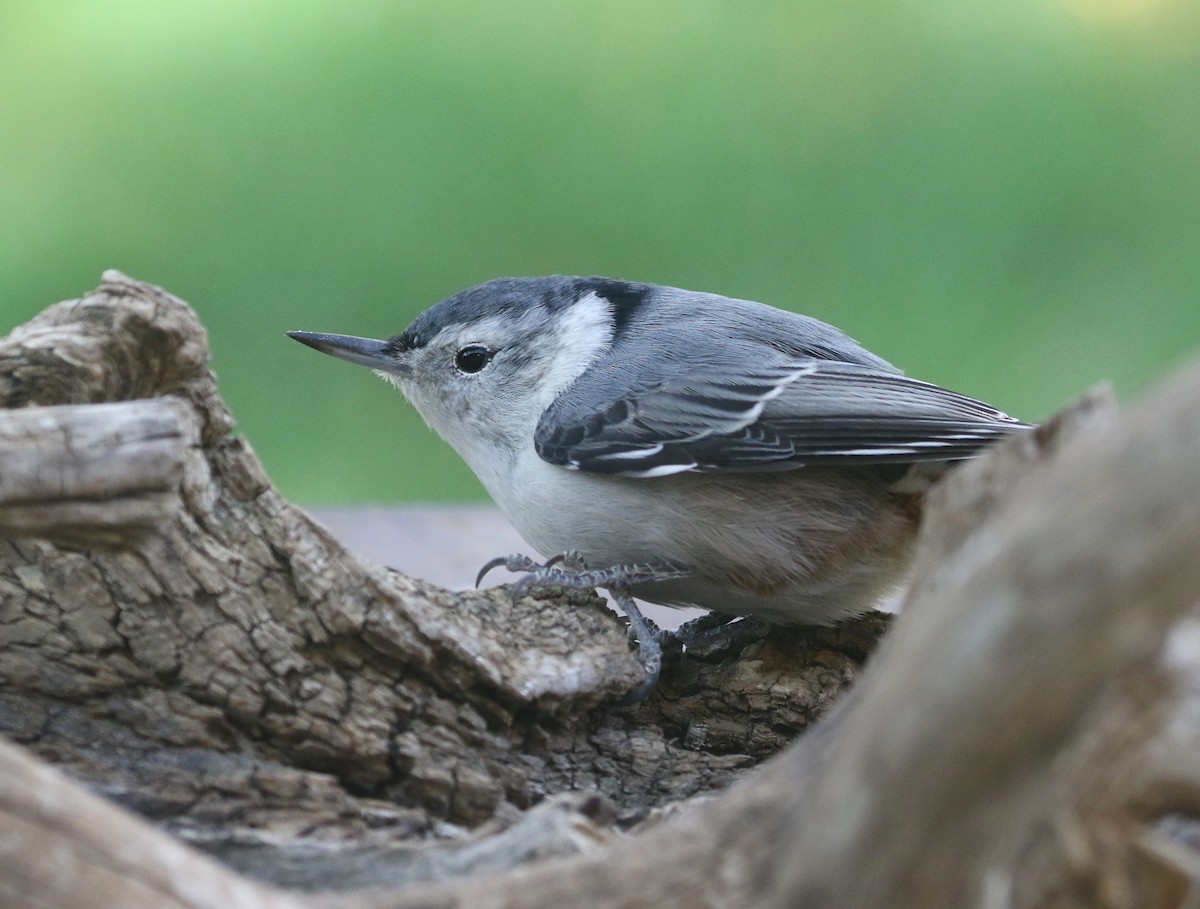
(732, 415)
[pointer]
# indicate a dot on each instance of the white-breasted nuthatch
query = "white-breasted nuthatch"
(683, 447)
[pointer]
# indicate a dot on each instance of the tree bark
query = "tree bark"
(212, 659)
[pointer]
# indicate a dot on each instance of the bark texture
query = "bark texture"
(189, 645)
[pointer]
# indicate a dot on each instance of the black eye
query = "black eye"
(473, 358)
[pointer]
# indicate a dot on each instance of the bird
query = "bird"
(686, 448)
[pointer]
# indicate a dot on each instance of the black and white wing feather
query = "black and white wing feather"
(726, 414)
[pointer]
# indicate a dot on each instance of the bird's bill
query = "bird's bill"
(363, 351)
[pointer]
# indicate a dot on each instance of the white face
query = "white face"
(483, 386)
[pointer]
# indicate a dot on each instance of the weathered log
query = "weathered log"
(1023, 737)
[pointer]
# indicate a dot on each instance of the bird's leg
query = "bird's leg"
(575, 574)
(647, 635)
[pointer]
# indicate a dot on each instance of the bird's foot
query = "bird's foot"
(716, 632)
(571, 561)
(570, 570)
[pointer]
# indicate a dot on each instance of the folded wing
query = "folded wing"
(729, 415)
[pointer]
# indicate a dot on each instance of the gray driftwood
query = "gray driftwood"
(206, 656)
(93, 475)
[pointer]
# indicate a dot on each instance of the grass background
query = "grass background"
(1001, 196)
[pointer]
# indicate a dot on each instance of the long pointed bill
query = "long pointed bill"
(363, 351)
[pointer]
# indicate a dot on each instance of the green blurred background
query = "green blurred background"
(1002, 196)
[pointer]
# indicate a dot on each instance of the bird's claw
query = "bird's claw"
(572, 560)
(513, 563)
